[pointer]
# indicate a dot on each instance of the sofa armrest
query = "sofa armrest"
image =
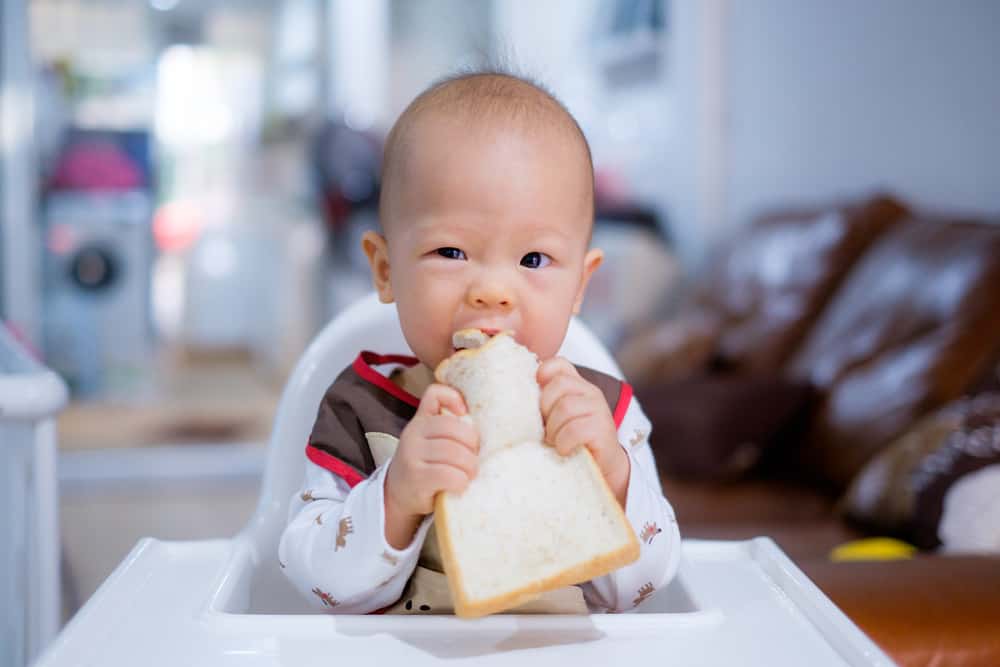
(670, 350)
(930, 610)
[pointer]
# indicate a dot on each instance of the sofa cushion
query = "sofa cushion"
(752, 501)
(902, 491)
(768, 284)
(970, 511)
(989, 379)
(722, 426)
(914, 324)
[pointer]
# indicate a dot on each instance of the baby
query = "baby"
(487, 209)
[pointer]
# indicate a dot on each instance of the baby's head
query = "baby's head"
(487, 208)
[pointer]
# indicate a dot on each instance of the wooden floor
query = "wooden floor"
(189, 398)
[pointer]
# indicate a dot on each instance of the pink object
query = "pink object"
(96, 165)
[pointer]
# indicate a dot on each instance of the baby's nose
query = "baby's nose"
(491, 295)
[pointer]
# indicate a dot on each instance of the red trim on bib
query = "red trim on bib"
(328, 461)
(363, 367)
(624, 399)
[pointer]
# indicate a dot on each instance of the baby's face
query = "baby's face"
(487, 229)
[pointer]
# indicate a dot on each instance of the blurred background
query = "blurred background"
(184, 182)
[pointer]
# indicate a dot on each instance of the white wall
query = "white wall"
(431, 39)
(358, 38)
(837, 98)
(547, 39)
(694, 183)
(18, 264)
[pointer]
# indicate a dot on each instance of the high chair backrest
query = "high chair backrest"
(366, 325)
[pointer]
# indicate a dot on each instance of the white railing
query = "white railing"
(30, 397)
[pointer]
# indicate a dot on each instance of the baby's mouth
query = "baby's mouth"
(473, 337)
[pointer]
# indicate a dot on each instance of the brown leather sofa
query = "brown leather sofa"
(816, 339)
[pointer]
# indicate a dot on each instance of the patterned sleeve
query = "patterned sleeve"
(334, 550)
(653, 520)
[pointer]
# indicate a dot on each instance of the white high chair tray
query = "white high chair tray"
(746, 603)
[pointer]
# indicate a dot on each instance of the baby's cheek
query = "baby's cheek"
(547, 337)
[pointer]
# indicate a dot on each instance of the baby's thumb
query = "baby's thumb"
(439, 399)
(467, 418)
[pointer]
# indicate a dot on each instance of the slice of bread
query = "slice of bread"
(531, 521)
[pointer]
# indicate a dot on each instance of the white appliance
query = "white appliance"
(96, 285)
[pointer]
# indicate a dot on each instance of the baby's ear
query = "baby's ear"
(377, 251)
(591, 261)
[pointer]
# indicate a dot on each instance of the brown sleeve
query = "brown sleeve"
(337, 441)
(617, 393)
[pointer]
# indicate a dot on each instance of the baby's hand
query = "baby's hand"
(436, 452)
(576, 414)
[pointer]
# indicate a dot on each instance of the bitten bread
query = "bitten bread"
(531, 521)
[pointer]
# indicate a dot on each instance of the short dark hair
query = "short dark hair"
(483, 93)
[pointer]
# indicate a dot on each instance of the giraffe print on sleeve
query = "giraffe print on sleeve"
(326, 598)
(649, 531)
(644, 593)
(344, 528)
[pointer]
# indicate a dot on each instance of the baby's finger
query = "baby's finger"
(443, 477)
(550, 368)
(572, 435)
(443, 451)
(449, 426)
(566, 408)
(440, 397)
(558, 388)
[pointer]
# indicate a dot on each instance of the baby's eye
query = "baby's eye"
(535, 260)
(451, 253)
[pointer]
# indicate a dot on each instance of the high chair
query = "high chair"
(225, 601)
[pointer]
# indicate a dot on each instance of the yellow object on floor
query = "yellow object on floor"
(873, 548)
